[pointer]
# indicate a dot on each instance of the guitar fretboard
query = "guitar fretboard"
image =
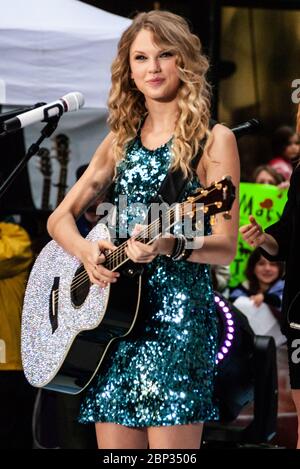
(46, 193)
(151, 232)
(62, 185)
(216, 198)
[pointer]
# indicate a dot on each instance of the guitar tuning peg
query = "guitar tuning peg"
(227, 215)
(199, 190)
(212, 220)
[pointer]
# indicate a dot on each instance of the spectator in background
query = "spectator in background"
(266, 174)
(286, 151)
(16, 395)
(259, 297)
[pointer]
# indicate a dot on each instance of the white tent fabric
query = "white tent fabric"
(51, 48)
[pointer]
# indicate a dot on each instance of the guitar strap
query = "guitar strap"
(174, 184)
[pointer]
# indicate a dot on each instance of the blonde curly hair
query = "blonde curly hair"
(127, 104)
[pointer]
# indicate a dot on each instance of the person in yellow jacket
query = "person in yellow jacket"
(16, 395)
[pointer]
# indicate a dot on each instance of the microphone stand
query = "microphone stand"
(46, 132)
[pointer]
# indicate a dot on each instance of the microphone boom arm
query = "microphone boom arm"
(46, 132)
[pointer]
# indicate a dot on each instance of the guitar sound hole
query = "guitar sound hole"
(80, 287)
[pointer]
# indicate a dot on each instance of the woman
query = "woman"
(286, 148)
(157, 388)
(259, 297)
(280, 242)
(265, 174)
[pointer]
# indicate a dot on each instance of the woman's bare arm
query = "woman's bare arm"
(255, 236)
(222, 159)
(95, 180)
(62, 223)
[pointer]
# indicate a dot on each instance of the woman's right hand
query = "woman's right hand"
(253, 233)
(92, 256)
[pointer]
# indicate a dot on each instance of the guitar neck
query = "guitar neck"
(46, 193)
(214, 199)
(62, 185)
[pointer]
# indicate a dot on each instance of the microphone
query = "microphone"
(69, 102)
(20, 110)
(246, 128)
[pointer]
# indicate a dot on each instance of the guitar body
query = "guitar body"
(68, 328)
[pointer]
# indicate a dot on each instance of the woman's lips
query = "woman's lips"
(156, 81)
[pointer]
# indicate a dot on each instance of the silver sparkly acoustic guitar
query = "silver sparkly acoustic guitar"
(69, 324)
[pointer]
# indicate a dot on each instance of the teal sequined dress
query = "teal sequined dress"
(164, 375)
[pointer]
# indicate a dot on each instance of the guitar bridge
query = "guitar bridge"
(53, 305)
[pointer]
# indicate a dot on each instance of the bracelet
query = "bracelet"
(180, 250)
(175, 249)
(186, 252)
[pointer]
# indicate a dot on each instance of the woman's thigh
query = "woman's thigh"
(115, 436)
(175, 436)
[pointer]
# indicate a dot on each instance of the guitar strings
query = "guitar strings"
(117, 256)
(116, 253)
(83, 277)
(119, 252)
(112, 257)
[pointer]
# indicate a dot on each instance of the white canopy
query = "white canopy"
(49, 48)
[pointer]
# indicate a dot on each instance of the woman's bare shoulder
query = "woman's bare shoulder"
(221, 139)
(222, 132)
(105, 149)
(103, 158)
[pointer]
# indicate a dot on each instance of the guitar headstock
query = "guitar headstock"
(45, 162)
(62, 149)
(217, 198)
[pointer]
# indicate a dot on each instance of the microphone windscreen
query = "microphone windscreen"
(74, 100)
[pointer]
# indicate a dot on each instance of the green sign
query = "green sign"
(265, 203)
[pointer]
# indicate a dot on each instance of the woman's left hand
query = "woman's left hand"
(257, 299)
(145, 253)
